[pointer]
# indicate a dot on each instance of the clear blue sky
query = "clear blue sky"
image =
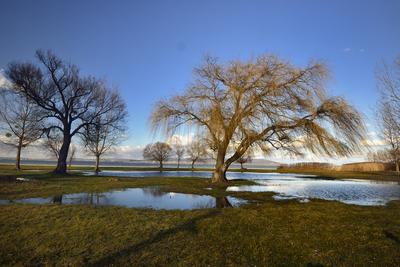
(148, 48)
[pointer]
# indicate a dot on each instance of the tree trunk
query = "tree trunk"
(18, 158)
(241, 166)
(193, 164)
(178, 162)
(219, 174)
(97, 169)
(63, 155)
(397, 166)
(161, 166)
(57, 199)
(222, 202)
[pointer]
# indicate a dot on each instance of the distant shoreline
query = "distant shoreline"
(132, 164)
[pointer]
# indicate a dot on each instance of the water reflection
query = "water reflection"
(359, 192)
(301, 187)
(149, 197)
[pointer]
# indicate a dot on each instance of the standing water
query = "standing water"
(294, 186)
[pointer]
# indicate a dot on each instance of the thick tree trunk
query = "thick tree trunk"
(219, 174)
(179, 162)
(241, 166)
(97, 169)
(192, 165)
(161, 165)
(397, 166)
(63, 155)
(18, 158)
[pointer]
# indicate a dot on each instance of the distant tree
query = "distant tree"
(53, 142)
(72, 155)
(379, 156)
(179, 151)
(20, 122)
(266, 102)
(196, 151)
(159, 152)
(245, 158)
(68, 100)
(388, 76)
(99, 138)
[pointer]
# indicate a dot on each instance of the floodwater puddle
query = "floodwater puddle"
(351, 191)
(148, 197)
(294, 186)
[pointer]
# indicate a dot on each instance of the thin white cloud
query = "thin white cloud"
(125, 152)
(3, 80)
(183, 139)
(373, 142)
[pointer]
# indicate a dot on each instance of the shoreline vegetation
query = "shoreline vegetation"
(270, 232)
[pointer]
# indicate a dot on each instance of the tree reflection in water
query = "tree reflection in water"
(154, 191)
(57, 199)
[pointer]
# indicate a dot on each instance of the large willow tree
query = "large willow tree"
(266, 102)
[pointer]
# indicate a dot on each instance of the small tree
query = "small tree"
(390, 125)
(71, 155)
(53, 142)
(379, 156)
(159, 151)
(99, 138)
(19, 122)
(245, 158)
(179, 151)
(107, 130)
(388, 76)
(196, 150)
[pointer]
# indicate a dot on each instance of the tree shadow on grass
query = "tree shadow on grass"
(391, 236)
(189, 226)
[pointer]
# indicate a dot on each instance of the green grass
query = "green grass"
(262, 233)
(271, 234)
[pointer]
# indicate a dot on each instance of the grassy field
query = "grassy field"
(264, 232)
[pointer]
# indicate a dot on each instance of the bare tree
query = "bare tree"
(245, 158)
(196, 150)
(53, 142)
(388, 76)
(157, 152)
(379, 156)
(71, 156)
(68, 100)
(99, 138)
(19, 122)
(390, 131)
(265, 102)
(179, 151)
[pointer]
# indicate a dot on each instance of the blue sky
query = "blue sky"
(149, 48)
